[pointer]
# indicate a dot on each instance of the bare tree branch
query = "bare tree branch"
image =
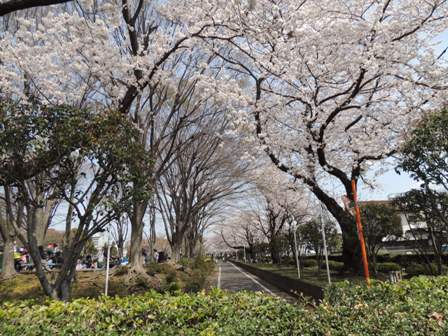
(16, 5)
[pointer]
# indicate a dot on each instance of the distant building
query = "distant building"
(415, 232)
(411, 226)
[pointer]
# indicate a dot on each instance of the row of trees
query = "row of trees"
(424, 157)
(268, 235)
(89, 174)
(319, 91)
(165, 112)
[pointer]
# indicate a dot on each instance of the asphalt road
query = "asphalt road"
(232, 278)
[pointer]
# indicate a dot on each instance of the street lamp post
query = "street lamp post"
(244, 252)
(106, 287)
(297, 252)
(325, 245)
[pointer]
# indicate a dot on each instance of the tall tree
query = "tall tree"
(425, 157)
(429, 207)
(330, 88)
(311, 234)
(96, 157)
(425, 153)
(204, 174)
(379, 221)
(130, 56)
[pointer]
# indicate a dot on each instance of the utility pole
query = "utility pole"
(324, 238)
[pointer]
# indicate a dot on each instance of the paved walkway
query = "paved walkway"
(233, 278)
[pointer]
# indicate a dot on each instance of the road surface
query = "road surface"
(232, 278)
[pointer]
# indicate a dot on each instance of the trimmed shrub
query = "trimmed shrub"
(333, 265)
(420, 269)
(414, 307)
(173, 287)
(388, 267)
(216, 313)
(308, 263)
(288, 260)
(418, 307)
(171, 276)
(384, 258)
(416, 269)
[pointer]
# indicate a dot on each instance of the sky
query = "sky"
(388, 184)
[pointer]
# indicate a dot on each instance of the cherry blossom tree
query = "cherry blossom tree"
(120, 55)
(331, 87)
(10, 6)
(323, 90)
(239, 231)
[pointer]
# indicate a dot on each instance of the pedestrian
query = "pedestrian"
(89, 261)
(79, 265)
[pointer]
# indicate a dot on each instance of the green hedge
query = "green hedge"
(387, 267)
(416, 307)
(420, 269)
(333, 265)
(308, 263)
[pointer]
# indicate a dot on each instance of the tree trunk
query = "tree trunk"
(8, 235)
(350, 246)
(65, 290)
(33, 249)
(437, 256)
(61, 288)
(120, 247)
(135, 252)
(251, 252)
(192, 242)
(152, 239)
(374, 266)
(43, 218)
(274, 250)
(191, 249)
(176, 251)
(350, 249)
(63, 283)
(176, 246)
(318, 249)
(8, 269)
(152, 229)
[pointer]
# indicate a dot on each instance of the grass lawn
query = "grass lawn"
(91, 284)
(308, 274)
(88, 284)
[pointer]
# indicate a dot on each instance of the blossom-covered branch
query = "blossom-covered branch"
(11, 6)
